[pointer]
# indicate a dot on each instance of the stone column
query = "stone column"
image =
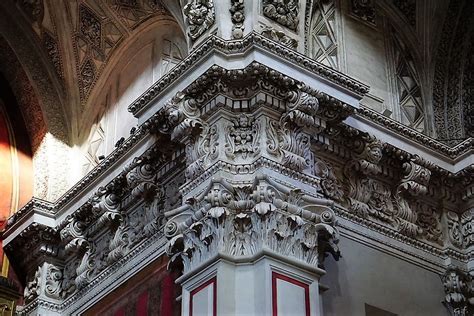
(253, 231)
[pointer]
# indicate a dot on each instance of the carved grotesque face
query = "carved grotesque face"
(243, 121)
(374, 153)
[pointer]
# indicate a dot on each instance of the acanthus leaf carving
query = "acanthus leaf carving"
(242, 220)
(413, 183)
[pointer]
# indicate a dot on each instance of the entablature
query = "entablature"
(263, 117)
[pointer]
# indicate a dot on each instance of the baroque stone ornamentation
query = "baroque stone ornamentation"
(200, 15)
(238, 18)
(285, 12)
(279, 36)
(242, 137)
(459, 291)
(241, 163)
(242, 221)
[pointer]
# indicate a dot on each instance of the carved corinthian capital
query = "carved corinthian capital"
(236, 222)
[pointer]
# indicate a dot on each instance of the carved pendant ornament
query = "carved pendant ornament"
(238, 17)
(200, 16)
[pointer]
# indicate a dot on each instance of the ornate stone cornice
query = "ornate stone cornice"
(451, 152)
(231, 47)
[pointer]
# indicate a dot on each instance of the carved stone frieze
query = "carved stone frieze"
(200, 16)
(284, 12)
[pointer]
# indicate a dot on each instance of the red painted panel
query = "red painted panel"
(275, 277)
(6, 178)
(120, 312)
(167, 295)
(212, 281)
(142, 304)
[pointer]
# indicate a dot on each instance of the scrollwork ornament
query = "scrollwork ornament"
(54, 282)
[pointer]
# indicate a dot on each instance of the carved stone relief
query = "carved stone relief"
(200, 16)
(284, 12)
(459, 299)
(238, 17)
(279, 36)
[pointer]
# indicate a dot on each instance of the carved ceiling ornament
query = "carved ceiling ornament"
(284, 12)
(200, 16)
(452, 58)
